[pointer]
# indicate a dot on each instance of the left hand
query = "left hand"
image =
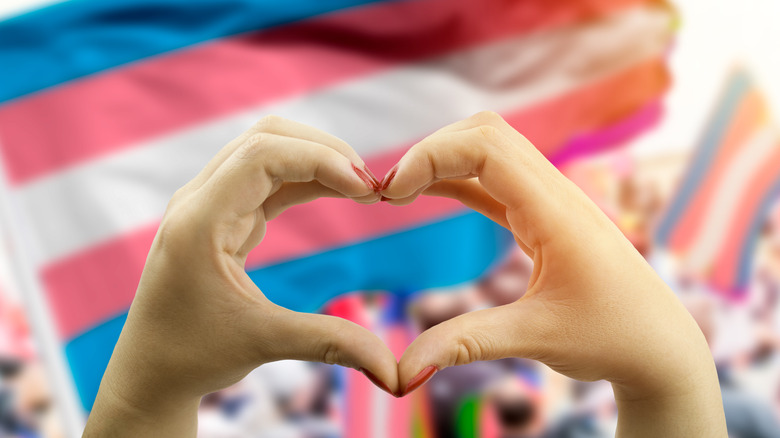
(198, 323)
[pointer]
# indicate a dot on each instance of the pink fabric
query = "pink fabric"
(113, 110)
(116, 265)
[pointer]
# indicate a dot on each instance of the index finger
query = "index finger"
(511, 171)
(283, 127)
(253, 172)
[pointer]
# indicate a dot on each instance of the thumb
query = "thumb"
(489, 334)
(333, 340)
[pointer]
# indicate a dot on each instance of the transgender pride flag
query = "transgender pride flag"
(106, 108)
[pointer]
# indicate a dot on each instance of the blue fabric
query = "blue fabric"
(76, 38)
(440, 254)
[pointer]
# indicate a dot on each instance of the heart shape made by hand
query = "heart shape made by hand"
(591, 311)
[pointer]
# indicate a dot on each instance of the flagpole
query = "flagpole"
(51, 353)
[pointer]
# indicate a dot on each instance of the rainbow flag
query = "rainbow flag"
(106, 108)
(714, 220)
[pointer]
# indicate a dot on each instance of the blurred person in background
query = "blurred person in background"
(590, 413)
(9, 423)
(26, 402)
(747, 415)
(638, 205)
(758, 367)
(35, 401)
(280, 399)
(517, 406)
(452, 386)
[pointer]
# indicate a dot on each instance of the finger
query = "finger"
(489, 118)
(333, 340)
(406, 200)
(471, 193)
(287, 128)
(420, 190)
(530, 191)
(259, 167)
(513, 330)
(291, 194)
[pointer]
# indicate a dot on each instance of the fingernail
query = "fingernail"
(364, 176)
(389, 178)
(376, 381)
(419, 379)
(373, 177)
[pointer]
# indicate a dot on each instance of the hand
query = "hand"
(594, 309)
(198, 323)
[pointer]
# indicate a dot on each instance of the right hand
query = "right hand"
(594, 308)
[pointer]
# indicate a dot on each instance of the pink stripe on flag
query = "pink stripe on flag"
(551, 124)
(111, 111)
(743, 125)
(99, 283)
(725, 271)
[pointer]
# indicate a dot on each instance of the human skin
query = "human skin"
(594, 309)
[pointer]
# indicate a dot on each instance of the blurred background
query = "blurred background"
(665, 114)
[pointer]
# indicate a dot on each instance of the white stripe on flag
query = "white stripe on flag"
(84, 205)
(730, 190)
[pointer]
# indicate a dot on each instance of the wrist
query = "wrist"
(682, 400)
(116, 413)
(697, 412)
(137, 400)
(675, 392)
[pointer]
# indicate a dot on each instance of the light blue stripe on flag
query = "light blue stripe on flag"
(76, 38)
(445, 253)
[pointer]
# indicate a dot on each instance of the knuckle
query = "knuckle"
(254, 145)
(331, 354)
(268, 122)
(173, 231)
(183, 218)
(488, 117)
(332, 345)
(179, 197)
(468, 350)
(488, 132)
